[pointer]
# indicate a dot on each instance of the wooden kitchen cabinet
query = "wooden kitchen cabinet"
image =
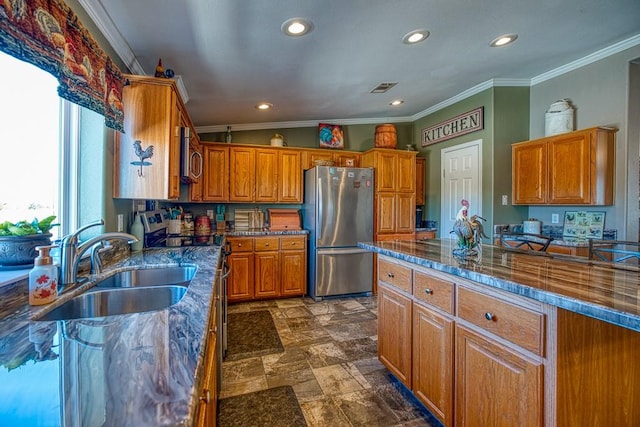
(267, 267)
(242, 177)
(208, 400)
(394, 196)
(214, 184)
(394, 332)
(154, 113)
(421, 167)
(575, 168)
(339, 158)
(290, 176)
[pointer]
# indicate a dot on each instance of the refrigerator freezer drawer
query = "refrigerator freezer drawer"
(342, 271)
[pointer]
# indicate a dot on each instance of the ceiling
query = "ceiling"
(231, 54)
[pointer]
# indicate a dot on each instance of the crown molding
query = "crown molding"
(103, 21)
(301, 124)
(589, 59)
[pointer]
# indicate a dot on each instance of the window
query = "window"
(30, 141)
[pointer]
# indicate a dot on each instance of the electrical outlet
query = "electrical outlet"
(505, 200)
(555, 218)
(210, 213)
(120, 222)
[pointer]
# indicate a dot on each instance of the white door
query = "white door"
(461, 179)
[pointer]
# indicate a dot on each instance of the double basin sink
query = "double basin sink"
(127, 292)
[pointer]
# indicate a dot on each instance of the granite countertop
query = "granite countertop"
(139, 369)
(603, 291)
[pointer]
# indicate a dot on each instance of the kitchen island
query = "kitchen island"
(511, 338)
(143, 369)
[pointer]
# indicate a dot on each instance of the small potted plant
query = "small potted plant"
(18, 241)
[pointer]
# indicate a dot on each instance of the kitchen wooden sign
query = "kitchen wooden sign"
(462, 124)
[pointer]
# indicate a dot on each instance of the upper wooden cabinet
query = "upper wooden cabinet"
(214, 184)
(575, 168)
(421, 167)
(264, 175)
(339, 158)
(395, 196)
(154, 113)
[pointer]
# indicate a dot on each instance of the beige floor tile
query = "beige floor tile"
(323, 413)
(340, 379)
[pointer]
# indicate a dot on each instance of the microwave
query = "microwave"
(190, 158)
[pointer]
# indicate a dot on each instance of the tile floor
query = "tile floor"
(330, 360)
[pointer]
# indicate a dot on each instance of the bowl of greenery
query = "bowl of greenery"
(18, 241)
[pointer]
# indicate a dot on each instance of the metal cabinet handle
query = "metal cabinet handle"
(266, 244)
(390, 275)
(489, 316)
(428, 291)
(206, 396)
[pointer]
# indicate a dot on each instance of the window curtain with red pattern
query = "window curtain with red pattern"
(47, 34)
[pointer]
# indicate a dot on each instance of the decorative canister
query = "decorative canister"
(203, 225)
(385, 136)
(277, 140)
(532, 226)
(559, 118)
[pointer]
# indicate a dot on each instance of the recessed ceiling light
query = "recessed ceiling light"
(264, 106)
(415, 36)
(296, 27)
(396, 102)
(503, 40)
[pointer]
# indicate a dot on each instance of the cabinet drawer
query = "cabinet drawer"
(433, 291)
(266, 244)
(519, 325)
(394, 274)
(241, 244)
(292, 243)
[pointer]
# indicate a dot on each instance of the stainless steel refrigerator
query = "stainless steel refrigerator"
(338, 212)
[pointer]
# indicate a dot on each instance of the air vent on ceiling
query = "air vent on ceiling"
(383, 87)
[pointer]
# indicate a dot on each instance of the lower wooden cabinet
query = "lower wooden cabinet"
(495, 385)
(267, 267)
(430, 323)
(394, 332)
(208, 399)
(433, 361)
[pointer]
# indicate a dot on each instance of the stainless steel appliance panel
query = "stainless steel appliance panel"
(342, 271)
(344, 204)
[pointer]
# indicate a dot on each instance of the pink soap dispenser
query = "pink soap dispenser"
(43, 278)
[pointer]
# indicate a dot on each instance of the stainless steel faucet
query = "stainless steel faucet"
(71, 252)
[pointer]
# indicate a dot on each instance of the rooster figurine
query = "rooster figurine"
(147, 153)
(469, 231)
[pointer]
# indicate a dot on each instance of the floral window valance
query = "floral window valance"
(47, 34)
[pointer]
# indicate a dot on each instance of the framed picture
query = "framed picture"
(331, 136)
(583, 224)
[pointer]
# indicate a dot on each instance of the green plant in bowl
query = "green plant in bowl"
(18, 241)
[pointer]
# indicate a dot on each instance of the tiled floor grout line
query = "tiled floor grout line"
(330, 359)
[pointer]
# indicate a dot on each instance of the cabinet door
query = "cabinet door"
(174, 150)
(310, 156)
(386, 213)
(529, 173)
(215, 187)
(394, 332)
(347, 159)
(420, 177)
(406, 215)
(267, 274)
(290, 176)
(387, 171)
(242, 174)
(406, 174)
(569, 169)
(266, 181)
(433, 361)
(241, 277)
(207, 410)
(496, 386)
(293, 272)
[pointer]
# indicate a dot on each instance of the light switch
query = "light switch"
(505, 200)
(555, 218)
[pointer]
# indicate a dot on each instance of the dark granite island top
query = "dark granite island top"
(593, 289)
(140, 369)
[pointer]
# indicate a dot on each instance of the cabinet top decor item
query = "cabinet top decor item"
(385, 136)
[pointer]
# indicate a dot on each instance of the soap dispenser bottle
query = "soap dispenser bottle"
(43, 278)
(137, 229)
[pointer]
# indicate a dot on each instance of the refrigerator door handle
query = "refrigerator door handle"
(319, 205)
(340, 251)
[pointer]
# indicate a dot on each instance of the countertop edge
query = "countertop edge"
(580, 306)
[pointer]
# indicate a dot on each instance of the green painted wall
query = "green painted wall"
(357, 137)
